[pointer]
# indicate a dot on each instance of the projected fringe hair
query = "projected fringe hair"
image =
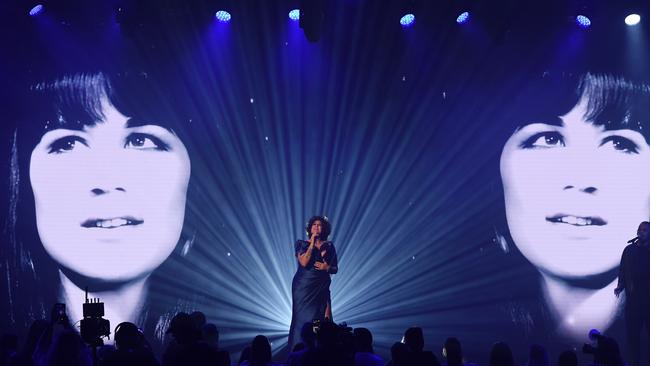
(613, 102)
(616, 103)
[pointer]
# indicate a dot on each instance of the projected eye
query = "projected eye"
(622, 144)
(65, 144)
(143, 141)
(543, 140)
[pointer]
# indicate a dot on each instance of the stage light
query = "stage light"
(36, 10)
(407, 20)
(223, 16)
(583, 21)
(294, 15)
(632, 19)
(463, 18)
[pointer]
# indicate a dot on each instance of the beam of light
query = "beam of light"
(38, 9)
(280, 147)
(271, 162)
(583, 21)
(632, 19)
(294, 14)
(463, 18)
(407, 20)
(223, 16)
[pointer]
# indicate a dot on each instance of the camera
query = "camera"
(341, 328)
(93, 325)
(604, 349)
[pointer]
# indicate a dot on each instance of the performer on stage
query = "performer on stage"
(634, 278)
(310, 288)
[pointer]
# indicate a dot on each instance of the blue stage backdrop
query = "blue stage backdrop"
(481, 179)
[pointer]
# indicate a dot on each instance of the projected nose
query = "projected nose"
(588, 189)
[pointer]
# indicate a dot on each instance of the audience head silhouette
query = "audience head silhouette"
(182, 328)
(127, 336)
(414, 339)
(453, 352)
(568, 358)
(537, 356)
(363, 340)
(260, 351)
(399, 353)
(68, 349)
(307, 335)
(501, 355)
(210, 334)
(199, 319)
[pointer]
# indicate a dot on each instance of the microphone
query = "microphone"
(633, 240)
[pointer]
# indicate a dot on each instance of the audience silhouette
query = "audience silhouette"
(364, 354)
(24, 356)
(186, 347)
(307, 343)
(399, 354)
(260, 352)
(568, 358)
(195, 342)
(199, 319)
(67, 349)
(210, 335)
(244, 356)
(537, 356)
(501, 355)
(131, 348)
(417, 356)
(453, 352)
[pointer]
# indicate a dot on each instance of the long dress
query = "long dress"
(310, 288)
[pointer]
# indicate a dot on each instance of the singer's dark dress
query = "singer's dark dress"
(310, 288)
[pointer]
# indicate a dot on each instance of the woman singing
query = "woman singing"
(311, 284)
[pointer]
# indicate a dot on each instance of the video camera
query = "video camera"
(604, 349)
(342, 328)
(93, 325)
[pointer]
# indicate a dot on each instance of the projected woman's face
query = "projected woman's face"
(110, 199)
(575, 193)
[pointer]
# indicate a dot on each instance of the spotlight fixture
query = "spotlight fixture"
(223, 16)
(583, 21)
(632, 19)
(36, 10)
(407, 20)
(294, 15)
(463, 18)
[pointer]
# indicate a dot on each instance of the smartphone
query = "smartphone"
(58, 313)
(315, 325)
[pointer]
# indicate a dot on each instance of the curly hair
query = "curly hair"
(327, 227)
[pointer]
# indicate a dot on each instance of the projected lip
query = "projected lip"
(576, 220)
(111, 223)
